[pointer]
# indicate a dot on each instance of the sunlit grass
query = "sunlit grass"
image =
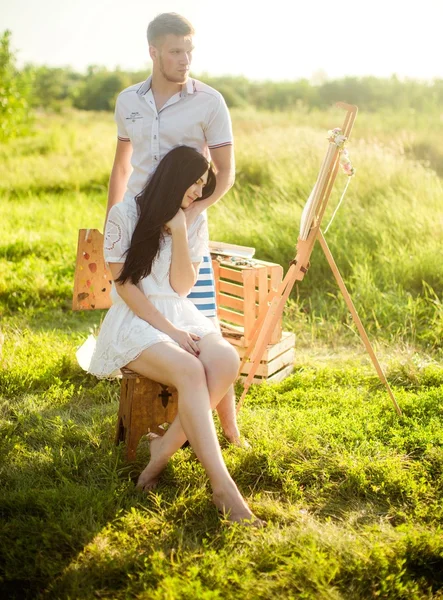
(353, 494)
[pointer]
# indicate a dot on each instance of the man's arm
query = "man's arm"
(224, 163)
(121, 171)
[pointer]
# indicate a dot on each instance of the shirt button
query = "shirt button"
(156, 118)
(155, 137)
(155, 158)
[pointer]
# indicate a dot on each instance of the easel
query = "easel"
(311, 221)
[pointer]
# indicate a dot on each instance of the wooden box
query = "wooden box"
(277, 361)
(242, 288)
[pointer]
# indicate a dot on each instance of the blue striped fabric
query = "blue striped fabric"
(203, 293)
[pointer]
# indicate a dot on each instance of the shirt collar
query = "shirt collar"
(188, 88)
(145, 86)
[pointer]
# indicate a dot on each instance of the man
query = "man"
(153, 117)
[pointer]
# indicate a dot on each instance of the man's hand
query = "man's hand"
(192, 212)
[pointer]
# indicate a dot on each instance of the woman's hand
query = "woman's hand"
(178, 221)
(186, 341)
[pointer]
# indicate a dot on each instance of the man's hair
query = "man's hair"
(168, 23)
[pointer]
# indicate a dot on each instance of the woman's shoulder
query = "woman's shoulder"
(124, 212)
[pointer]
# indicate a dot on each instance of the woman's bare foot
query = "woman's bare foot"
(150, 475)
(234, 508)
(233, 436)
(239, 441)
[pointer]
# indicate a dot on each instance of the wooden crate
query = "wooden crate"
(241, 292)
(277, 361)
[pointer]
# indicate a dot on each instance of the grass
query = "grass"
(353, 494)
(385, 238)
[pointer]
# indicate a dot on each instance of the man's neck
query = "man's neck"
(163, 89)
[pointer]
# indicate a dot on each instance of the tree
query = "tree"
(52, 87)
(100, 88)
(15, 89)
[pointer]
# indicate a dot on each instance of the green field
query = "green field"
(353, 494)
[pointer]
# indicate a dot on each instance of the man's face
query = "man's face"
(172, 57)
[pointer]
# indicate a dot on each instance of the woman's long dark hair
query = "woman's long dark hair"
(158, 202)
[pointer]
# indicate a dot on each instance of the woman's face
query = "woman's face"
(195, 191)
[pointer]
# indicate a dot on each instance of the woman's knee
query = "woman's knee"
(224, 360)
(190, 372)
(233, 360)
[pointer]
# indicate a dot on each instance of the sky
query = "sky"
(267, 40)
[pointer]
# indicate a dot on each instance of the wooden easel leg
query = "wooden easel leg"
(357, 321)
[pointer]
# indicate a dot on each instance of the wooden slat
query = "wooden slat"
(268, 368)
(274, 350)
(262, 281)
(275, 276)
(232, 288)
(230, 302)
(284, 360)
(249, 305)
(280, 375)
(233, 333)
(231, 274)
(232, 317)
(276, 378)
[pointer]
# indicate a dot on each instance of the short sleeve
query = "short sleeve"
(122, 133)
(199, 239)
(117, 238)
(219, 127)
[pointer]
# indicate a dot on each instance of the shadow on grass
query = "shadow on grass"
(60, 509)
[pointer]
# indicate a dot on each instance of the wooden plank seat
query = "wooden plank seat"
(145, 406)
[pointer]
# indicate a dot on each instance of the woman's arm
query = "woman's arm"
(182, 274)
(143, 308)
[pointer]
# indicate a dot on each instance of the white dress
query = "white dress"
(123, 335)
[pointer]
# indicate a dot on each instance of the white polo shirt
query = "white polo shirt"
(197, 117)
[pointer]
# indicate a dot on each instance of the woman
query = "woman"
(154, 330)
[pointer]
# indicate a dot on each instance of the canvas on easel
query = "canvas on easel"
(310, 232)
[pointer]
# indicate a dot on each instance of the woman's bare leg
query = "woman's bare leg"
(171, 365)
(226, 408)
(220, 362)
(228, 417)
